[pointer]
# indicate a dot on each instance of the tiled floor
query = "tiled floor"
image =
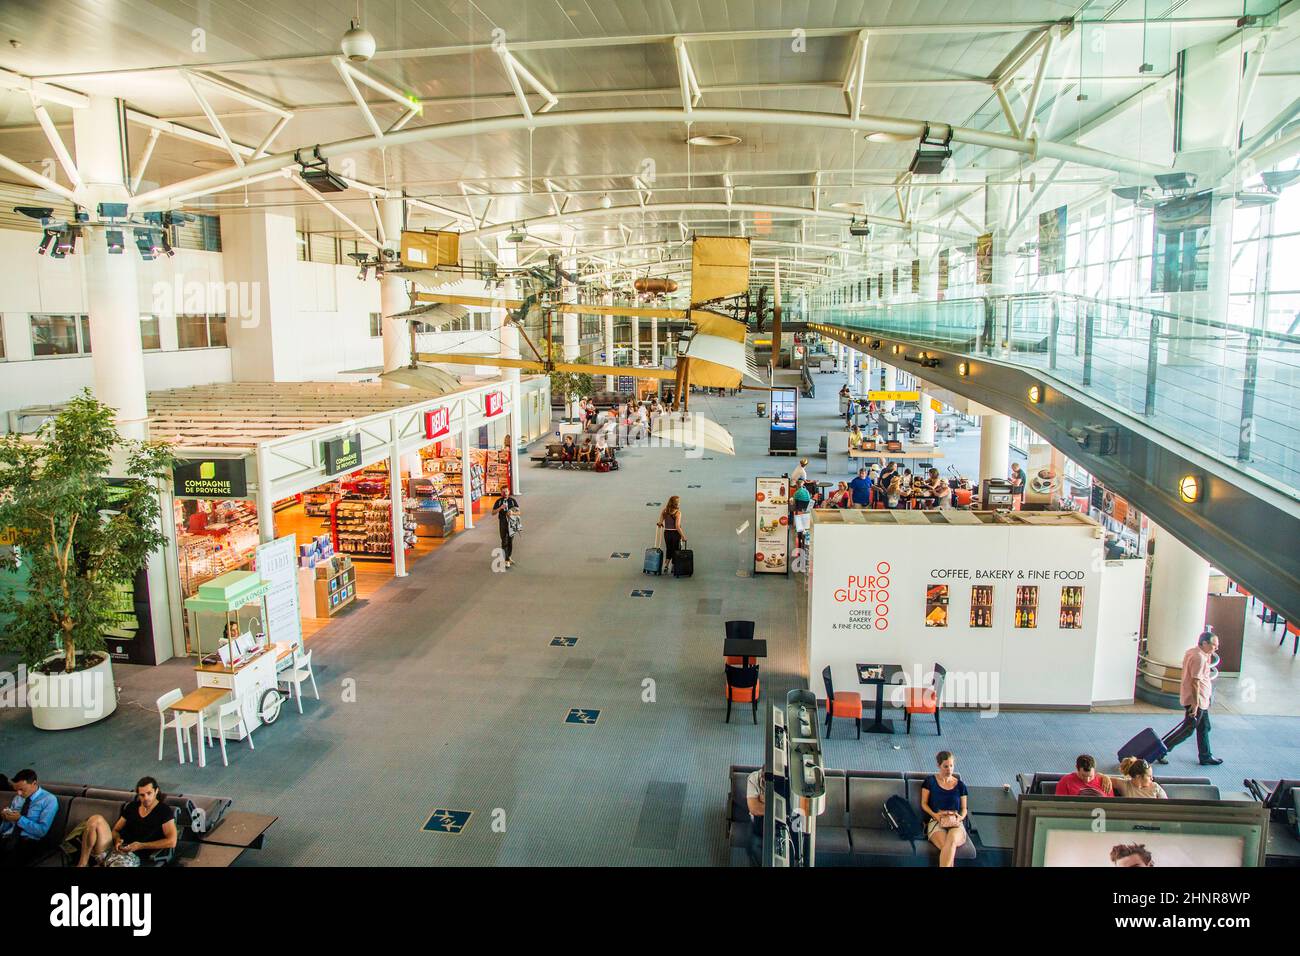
(443, 691)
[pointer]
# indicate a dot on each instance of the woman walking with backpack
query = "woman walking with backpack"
(670, 519)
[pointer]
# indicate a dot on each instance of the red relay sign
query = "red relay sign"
(493, 403)
(437, 423)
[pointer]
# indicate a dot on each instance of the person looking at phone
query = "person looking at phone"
(943, 799)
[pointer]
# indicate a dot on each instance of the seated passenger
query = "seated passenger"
(587, 452)
(894, 492)
(25, 823)
(1085, 781)
(1139, 780)
(602, 452)
(146, 826)
(841, 497)
(855, 437)
(944, 800)
(568, 450)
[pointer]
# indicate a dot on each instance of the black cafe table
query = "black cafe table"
(886, 676)
(744, 648)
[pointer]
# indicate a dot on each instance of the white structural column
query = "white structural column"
(608, 299)
(1180, 579)
(636, 341)
(571, 329)
(864, 375)
(654, 342)
(508, 254)
(926, 434)
(995, 446)
(392, 291)
(398, 513)
(112, 292)
(467, 501)
(890, 383)
(113, 303)
(259, 258)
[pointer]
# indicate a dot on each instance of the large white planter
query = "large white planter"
(64, 701)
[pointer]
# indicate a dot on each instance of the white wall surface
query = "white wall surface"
(1002, 664)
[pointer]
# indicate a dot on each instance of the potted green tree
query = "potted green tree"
(81, 535)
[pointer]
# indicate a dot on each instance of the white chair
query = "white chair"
(181, 722)
(229, 714)
(296, 674)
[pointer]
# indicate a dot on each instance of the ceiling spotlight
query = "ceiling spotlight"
(932, 155)
(713, 139)
(605, 201)
(1189, 489)
(357, 44)
(115, 242)
(1035, 394)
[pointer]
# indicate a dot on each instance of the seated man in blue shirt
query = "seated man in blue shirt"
(861, 488)
(25, 823)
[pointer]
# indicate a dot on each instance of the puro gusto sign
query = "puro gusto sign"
(866, 598)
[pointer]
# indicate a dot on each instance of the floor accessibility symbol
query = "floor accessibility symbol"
(642, 593)
(448, 821)
(582, 715)
(563, 641)
(621, 554)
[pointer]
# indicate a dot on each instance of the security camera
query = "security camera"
(358, 45)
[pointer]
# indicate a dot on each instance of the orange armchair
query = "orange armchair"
(846, 704)
(925, 700)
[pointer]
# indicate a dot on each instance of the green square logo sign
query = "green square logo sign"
(208, 470)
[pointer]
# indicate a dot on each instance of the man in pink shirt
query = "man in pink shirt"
(1194, 695)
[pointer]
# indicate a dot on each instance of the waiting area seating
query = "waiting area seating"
(853, 829)
(209, 834)
(555, 456)
(1177, 788)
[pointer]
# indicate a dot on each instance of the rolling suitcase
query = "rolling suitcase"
(654, 559)
(1145, 745)
(684, 563)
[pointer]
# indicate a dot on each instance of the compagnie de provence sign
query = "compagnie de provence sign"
(210, 478)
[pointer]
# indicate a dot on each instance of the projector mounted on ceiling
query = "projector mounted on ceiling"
(931, 155)
(317, 175)
(859, 226)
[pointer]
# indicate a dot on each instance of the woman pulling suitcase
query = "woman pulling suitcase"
(670, 519)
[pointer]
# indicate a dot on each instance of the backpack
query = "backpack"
(902, 819)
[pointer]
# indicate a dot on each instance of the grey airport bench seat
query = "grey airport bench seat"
(1177, 788)
(852, 830)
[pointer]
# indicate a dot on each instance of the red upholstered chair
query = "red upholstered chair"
(844, 704)
(1294, 631)
(734, 661)
(925, 700)
(742, 688)
(961, 497)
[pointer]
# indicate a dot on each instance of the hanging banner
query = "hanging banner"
(916, 276)
(493, 404)
(883, 396)
(943, 271)
(895, 280)
(437, 423)
(936, 406)
(1051, 241)
(277, 563)
(771, 526)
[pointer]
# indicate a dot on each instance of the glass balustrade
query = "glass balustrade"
(1224, 389)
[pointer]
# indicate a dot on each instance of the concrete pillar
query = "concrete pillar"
(926, 434)
(259, 255)
(516, 432)
(466, 498)
(508, 254)
(890, 383)
(608, 299)
(995, 446)
(864, 376)
(571, 331)
(636, 341)
(1180, 579)
(654, 342)
(392, 291)
(395, 499)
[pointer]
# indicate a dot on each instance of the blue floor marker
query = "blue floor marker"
(448, 821)
(563, 641)
(582, 715)
(640, 592)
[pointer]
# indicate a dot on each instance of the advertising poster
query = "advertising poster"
(277, 563)
(916, 276)
(1051, 241)
(1141, 848)
(784, 414)
(895, 280)
(1045, 475)
(130, 638)
(943, 271)
(771, 526)
(984, 259)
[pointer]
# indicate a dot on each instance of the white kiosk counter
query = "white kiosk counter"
(1012, 604)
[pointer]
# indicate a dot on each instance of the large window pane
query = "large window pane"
(192, 331)
(217, 331)
(150, 340)
(85, 334)
(54, 335)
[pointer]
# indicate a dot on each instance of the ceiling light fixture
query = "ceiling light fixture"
(713, 139)
(963, 369)
(882, 137)
(1035, 394)
(931, 161)
(1189, 489)
(605, 201)
(358, 45)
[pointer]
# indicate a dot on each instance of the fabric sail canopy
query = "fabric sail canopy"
(719, 267)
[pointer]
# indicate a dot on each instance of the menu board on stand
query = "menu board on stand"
(277, 563)
(771, 526)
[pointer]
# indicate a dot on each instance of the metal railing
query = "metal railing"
(1226, 389)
